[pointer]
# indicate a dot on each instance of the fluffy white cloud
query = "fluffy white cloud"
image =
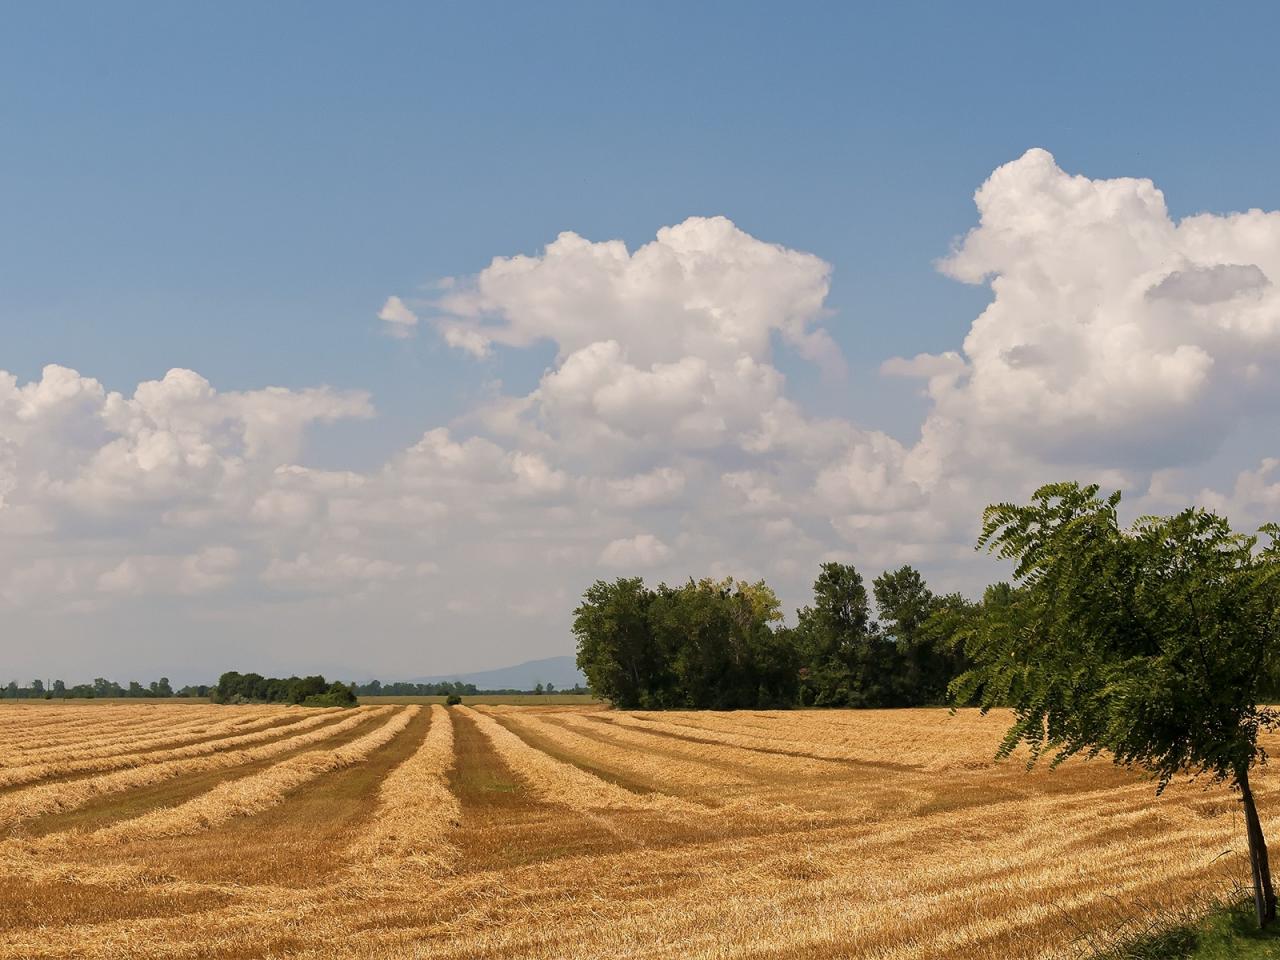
(1119, 345)
(659, 486)
(640, 552)
(1115, 334)
(399, 321)
(703, 288)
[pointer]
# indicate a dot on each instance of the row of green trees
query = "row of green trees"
(314, 691)
(444, 688)
(101, 687)
(376, 688)
(721, 644)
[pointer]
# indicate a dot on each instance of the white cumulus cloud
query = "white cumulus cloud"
(639, 552)
(1119, 345)
(399, 321)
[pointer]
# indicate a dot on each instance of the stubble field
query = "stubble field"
(397, 831)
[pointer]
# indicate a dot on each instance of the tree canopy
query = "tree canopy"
(312, 691)
(721, 644)
(1154, 643)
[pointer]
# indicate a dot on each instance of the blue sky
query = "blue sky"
(237, 188)
(234, 188)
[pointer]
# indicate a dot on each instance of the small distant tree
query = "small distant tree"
(163, 688)
(59, 688)
(106, 688)
(538, 689)
(37, 688)
(551, 688)
(1154, 643)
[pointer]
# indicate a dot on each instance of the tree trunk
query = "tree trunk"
(1264, 895)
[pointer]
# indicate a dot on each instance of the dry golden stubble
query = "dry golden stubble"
(40, 799)
(244, 796)
(409, 835)
(559, 782)
(85, 724)
(163, 735)
(82, 729)
(979, 862)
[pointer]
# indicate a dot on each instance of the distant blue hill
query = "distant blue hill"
(523, 676)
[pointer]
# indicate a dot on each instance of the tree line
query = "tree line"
(101, 687)
(721, 644)
(250, 688)
(376, 688)
(314, 691)
(447, 688)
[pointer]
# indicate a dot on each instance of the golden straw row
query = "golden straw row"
(74, 722)
(416, 810)
(559, 782)
(14, 776)
(686, 725)
(247, 795)
(173, 735)
(930, 739)
(67, 795)
(711, 749)
(22, 751)
(656, 769)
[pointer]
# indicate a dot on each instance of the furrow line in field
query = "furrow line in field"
(559, 782)
(33, 773)
(67, 795)
(752, 764)
(712, 746)
(657, 770)
(148, 719)
(73, 723)
(706, 729)
(95, 737)
(173, 736)
(931, 739)
(248, 795)
(416, 811)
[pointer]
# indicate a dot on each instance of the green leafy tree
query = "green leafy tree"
(337, 694)
(1152, 642)
(616, 648)
(106, 688)
(906, 605)
(847, 661)
(717, 637)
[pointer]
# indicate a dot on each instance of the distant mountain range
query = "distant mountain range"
(561, 671)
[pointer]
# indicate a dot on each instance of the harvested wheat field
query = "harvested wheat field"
(575, 831)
